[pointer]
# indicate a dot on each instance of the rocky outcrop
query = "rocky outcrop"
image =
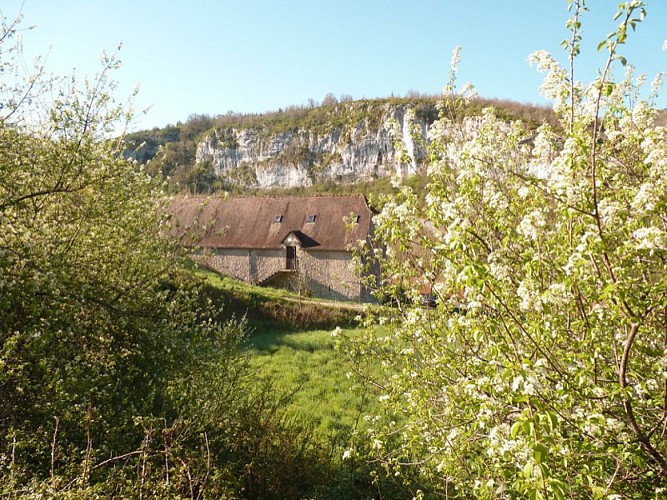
(354, 151)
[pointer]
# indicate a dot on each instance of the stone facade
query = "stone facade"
(330, 274)
(251, 265)
(325, 274)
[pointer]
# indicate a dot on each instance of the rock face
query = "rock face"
(356, 151)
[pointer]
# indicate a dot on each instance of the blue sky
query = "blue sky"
(252, 56)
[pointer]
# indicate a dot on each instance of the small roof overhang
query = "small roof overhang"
(297, 238)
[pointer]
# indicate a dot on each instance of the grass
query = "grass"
(266, 307)
(306, 365)
(291, 344)
(241, 289)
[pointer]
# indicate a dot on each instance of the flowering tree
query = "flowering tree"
(541, 372)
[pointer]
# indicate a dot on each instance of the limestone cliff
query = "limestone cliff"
(358, 147)
(339, 142)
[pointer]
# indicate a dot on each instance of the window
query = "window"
(278, 219)
(311, 218)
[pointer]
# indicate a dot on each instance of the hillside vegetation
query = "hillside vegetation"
(171, 150)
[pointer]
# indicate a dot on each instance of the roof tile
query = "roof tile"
(249, 222)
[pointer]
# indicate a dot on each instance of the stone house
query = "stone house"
(301, 243)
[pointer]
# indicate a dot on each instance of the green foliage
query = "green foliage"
(243, 175)
(98, 326)
(225, 138)
(199, 178)
(170, 153)
(540, 373)
(118, 375)
(144, 146)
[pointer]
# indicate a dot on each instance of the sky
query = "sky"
(252, 56)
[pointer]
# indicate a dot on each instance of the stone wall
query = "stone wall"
(252, 266)
(329, 275)
(233, 262)
(323, 274)
(268, 263)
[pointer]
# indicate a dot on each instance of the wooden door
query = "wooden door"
(291, 257)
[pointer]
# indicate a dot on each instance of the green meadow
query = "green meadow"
(291, 343)
(305, 365)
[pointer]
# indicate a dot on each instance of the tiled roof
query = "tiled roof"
(252, 222)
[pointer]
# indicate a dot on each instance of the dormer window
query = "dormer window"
(278, 219)
(311, 218)
(356, 219)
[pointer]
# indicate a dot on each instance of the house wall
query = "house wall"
(330, 275)
(234, 262)
(326, 274)
(269, 262)
(253, 266)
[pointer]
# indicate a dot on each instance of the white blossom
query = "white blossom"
(532, 224)
(644, 199)
(649, 238)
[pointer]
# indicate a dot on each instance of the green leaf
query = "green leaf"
(540, 453)
(553, 418)
(559, 488)
(528, 470)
